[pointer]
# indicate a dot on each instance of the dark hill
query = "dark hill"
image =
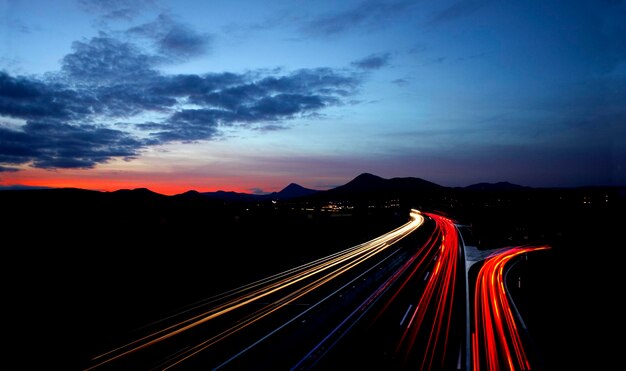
(369, 184)
(500, 186)
(233, 196)
(136, 194)
(293, 190)
(136, 191)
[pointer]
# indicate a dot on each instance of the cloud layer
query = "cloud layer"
(110, 100)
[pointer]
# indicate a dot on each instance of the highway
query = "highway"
(418, 321)
(399, 301)
(497, 335)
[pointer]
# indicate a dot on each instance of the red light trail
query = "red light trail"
(496, 341)
(423, 289)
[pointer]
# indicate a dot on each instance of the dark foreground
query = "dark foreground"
(84, 270)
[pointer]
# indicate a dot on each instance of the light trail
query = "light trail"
(429, 337)
(496, 340)
(289, 298)
(428, 278)
(315, 305)
(431, 317)
(302, 280)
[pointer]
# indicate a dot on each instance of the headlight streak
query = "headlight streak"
(496, 340)
(272, 307)
(329, 268)
(424, 343)
(313, 306)
(344, 327)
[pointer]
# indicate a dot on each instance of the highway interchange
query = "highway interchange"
(403, 300)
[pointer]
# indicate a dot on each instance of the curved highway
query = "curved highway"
(399, 301)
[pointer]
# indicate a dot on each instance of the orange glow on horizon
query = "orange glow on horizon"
(165, 183)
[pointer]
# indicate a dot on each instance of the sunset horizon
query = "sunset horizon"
(187, 95)
(254, 186)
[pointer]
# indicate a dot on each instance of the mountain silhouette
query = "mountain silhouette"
(233, 196)
(293, 190)
(363, 185)
(369, 183)
(137, 192)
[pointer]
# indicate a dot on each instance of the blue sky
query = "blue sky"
(249, 95)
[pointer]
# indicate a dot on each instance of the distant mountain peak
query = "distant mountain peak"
(365, 179)
(367, 176)
(292, 186)
(294, 190)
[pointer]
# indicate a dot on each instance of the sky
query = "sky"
(250, 96)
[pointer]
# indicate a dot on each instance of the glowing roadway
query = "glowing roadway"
(497, 341)
(399, 301)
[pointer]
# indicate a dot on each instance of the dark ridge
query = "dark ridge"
(411, 183)
(189, 194)
(105, 263)
(137, 191)
(367, 183)
(499, 186)
(233, 196)
(293, 190)
(363, 182)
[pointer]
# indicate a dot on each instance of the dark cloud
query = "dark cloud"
(190, 125)
(324, 81)
(130, 99)
(106, 81)
(196, 86)
(57, 145)
(366, 13)
(271, 127)
(5, 169)
(104, 59)
(459, 9)
(309, 87)
(248, 101)
(284, 105)
(401, 82)
(27, 98)
(117, 9)
(173, 39)
(373, 62)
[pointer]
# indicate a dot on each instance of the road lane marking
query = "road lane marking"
(406, 314)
